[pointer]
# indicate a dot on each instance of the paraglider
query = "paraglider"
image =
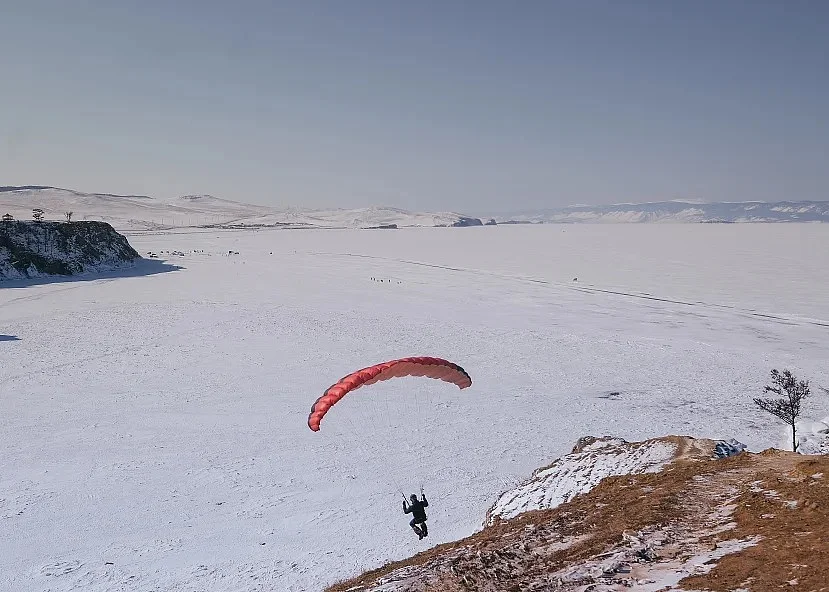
(428, 367)
(435, 368)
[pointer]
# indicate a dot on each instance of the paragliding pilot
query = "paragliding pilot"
(416, 508)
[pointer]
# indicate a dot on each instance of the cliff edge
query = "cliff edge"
(30, 249)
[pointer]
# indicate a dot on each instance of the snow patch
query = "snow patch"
(581, 471)
(668, 575)
(812, 436)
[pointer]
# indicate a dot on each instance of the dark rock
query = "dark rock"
(29, 248)
(464, 221)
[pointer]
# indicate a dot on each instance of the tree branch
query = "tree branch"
(779, 408)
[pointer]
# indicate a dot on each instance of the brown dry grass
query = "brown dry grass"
(794, 551)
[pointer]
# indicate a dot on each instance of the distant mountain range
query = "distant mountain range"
(678, 211)
(141, 212)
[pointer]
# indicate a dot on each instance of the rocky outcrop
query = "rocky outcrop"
(466, 221)
(32, 249)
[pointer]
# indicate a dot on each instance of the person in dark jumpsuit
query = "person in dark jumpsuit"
(416, 508)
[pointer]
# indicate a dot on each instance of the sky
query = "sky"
(479, 107)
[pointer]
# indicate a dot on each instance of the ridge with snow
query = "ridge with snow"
(580, 471)
(592, 460)
(138, 212)
(687, 211)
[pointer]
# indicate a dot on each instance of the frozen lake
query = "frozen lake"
(153, 426)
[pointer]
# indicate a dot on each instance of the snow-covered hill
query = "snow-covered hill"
(356, 218)
(137, 212)
(121, 211)
(140, 212)
(208, 205)
(680, 211)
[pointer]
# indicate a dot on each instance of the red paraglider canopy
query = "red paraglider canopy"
(436, 368)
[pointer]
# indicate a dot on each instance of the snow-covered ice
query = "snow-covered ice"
(153, 429)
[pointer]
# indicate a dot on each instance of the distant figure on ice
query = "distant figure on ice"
(416, 508)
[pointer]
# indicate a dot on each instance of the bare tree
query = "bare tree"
(792, 393)
(68, 216)
(37, 214)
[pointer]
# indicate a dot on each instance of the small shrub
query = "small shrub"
(788, 407)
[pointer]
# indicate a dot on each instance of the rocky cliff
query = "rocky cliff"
(31, 249)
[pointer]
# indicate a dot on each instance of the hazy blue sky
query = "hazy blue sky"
(471, 106)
